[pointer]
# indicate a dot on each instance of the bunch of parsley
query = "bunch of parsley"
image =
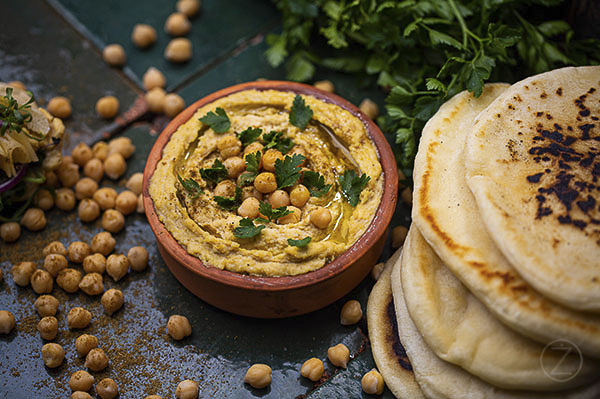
(422, 52)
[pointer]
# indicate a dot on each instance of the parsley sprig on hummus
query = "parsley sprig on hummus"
(217, 121)
(300, 114)
(190, 185)
(352, 185)
(216, 173)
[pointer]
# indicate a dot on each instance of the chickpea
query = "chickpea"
(188, 7)
(22, 272)
(85, 343)
(100, 150)
(92, 284)
(126, 202)
(138, 258)
(249, 208)
(33, 219)
(173, 105)
(229, 146)
(96, 360)
(95, 263)
(251, 192)
(113, 221)
(7, 322)
(78, 318)
(187, 389)
(293, 217)
(377, 270)
(117, 266)
(406, 195)
(372, 383)
(1, 275)
(177, 24)
(253, 148)
(114, 55)
(179, 50)
(69, 279)
(325, 85)
(399, 234)
(81, 395)
(77, 251)
(351, 313)
(339, 355)
(153, 78)
(60, 107)
(44, 200)
(85, 188)
(122, 145)
(279, 198)
(81, 154)
(140, 204)
(81, 380)
(53, 355)
(41, 282)
(312, 369)
(107, 107)
(369, 108)
(103, 243)
(299, 196)
(153, 397)
(226, 188)
(143, 36)
(65, 199)
(112, 300)
(51, 179)
(265, 182)
(258, 376)
(46, 305)
(10, 231)
(320, 217)
(155, 98)
(48, 328)
(135, 183)
(55, 247)
(68, 174)
(269, 158)
(106, 197)
(94, 169)
(54, 263)
(235, 166)
(107, 389)
(179, 327)
(17, 84)
(115, 166)
(88, 210)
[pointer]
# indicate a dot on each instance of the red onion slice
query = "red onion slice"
(13, 181)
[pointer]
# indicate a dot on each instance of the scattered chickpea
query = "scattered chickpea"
(100, 150)
(10, 231)
(54, 263)
(107, 107)
(117, 266)
(253, 148)
(115, 166)
(153, 397)
(173, 105)
(78, 318)
(251, 192)
(112, 300)
(7, 322)
(140, 204)
(126, 202)
(229, 146)
(351, 313)
(249, 208)
(106, 197)
(325, 85)
(187, 389)
(60, 107)
(320, 217)
(114, 55)
(68, 174)
(44, 200)
(153, 78)
(53, 355)
(135, 183)
(81, 154)
(226, 188)
(107, 389)
(293, 217)
(94, 169)
(406, 195)
(103, 243)
(96, 360)
(377, 270)
(265, 182)
(179, 50)
(81, 395)
(33, 219)
(312, 369)
(372, 383)
(51, 179)
(188, 7)
(85, 343)
(143, 35)
(88, 210)
(92, 284)
(48, 328)
(85, 188)
(17, 84)
(46, 305)
(177, 24)
(269, 158)
(369, 108)
(81, 380)
(399, 236)
(113, 221)
(65, 199)
(179, 327)
(69, 279)
(138, 258)
(95, 263)
(155, 98)
(41, 282)
(55, 247)
(22, 272)
(122, 145)
(339, 355)
(77, 251)
(258, 376)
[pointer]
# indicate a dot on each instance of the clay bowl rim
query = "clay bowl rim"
(370, 237)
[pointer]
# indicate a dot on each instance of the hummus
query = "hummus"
(334, 141)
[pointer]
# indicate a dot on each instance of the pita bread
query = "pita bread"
(447, 215)
(533, 164)
(460, 330)
(389, 355)
(442, 380)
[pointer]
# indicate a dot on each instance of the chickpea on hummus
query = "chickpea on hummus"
(268, 183)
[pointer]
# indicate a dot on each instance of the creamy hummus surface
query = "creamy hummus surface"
(334, 141)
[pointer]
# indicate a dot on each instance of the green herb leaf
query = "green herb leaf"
(190, 185)
(300, 114)
(271, 214)
(252, 164)
(249, 135)
(216, 173)
(287, 172)
(352, 185)
(217, 121)
(247, 229)
(276, 140)
(299, 243)
(315, 182)
(230, 203)
(14, 116)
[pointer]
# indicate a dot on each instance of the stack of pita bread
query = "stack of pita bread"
(496, 293)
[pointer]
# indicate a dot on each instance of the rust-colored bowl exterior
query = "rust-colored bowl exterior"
(276, 297)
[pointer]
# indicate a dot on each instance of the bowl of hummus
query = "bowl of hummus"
(270, 199)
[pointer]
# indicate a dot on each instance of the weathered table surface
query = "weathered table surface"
(54, 48)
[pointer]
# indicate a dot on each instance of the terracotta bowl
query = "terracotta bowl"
(276, 297)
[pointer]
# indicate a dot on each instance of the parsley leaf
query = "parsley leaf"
(14, 116)
(247, 229)
(191, 186)
(352, 185)
(230, 203)
(249, 135)
(219, 121)
(271, 214)
(299, 243)
(287, 172)
(216, 173)
(252, 163)
(300, 113)
(315, 182)
(276, 140)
